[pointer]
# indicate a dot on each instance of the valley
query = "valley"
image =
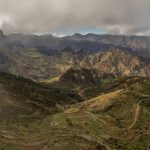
(79, 92)
(74, 74)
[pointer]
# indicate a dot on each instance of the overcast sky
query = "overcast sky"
(62, 17)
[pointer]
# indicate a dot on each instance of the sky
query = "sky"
(66, 17)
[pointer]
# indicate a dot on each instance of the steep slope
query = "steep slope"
(102, 102)
(33, 64)
(117, 62)
(28, 63)
(80, 76)
(34, 94)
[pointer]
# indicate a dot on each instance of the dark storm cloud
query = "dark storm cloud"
(114, 16)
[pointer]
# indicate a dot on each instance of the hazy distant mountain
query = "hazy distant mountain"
(139, 44)
(90, 43)
(44, 57)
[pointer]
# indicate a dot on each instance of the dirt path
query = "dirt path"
(137, 112)
(138, 136)
(93, 138)
(96, 118)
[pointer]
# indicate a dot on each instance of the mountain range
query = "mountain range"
(79, 92)
(45, 57)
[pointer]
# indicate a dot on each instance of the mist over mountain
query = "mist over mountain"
(78, 92)
(74, 74)
(2, 36)
(90, 42)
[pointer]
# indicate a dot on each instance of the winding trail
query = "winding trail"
(138, 136)
(93, 138)
(99, 119)
(137, 112)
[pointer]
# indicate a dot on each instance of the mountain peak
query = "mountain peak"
(77, 35)
(91, 34)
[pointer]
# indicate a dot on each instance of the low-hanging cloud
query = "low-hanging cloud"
(45, 16)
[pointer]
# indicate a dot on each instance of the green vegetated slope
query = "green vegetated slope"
(114, 116)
